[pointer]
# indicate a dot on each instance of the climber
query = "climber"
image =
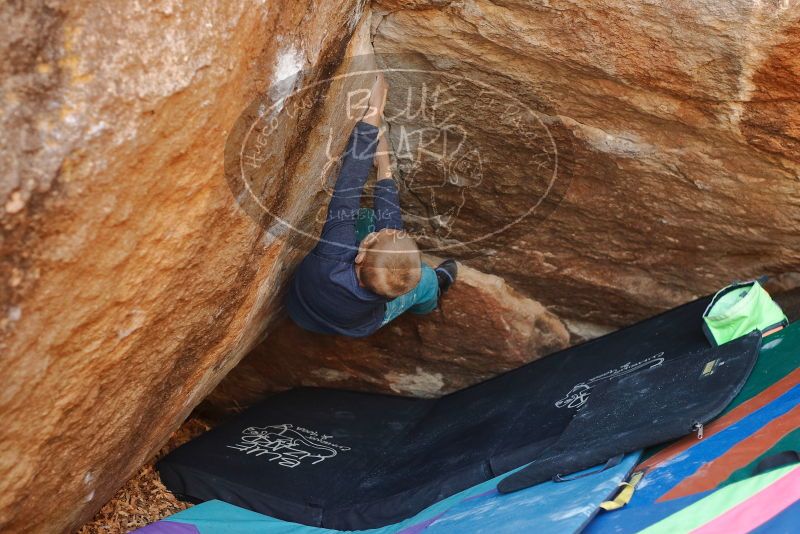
(365, 270)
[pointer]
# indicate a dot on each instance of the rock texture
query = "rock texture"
(482, 328)
(612, 159)
(785, 290)
(675, 126)
(131, 279)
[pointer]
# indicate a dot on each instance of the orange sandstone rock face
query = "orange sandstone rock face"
(131, 280)
(676, 130)
(483, 328)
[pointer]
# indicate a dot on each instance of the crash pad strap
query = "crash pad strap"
(625, 493)
(612, 462)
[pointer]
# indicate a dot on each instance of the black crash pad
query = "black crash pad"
(352, 461)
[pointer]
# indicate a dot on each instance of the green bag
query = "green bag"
(739, 309)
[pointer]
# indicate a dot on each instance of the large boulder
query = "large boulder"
(131, 279)
(614, 159)
(482, 328)
(660, 141)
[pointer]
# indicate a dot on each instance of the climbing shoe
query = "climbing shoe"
(446, 274)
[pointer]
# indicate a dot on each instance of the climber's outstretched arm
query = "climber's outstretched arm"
(339, 233)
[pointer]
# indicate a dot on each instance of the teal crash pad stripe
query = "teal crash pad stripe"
(548, 507)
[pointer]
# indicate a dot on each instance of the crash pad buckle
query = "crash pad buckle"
(626, 490)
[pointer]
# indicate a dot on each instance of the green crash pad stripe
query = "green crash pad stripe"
(714, 505)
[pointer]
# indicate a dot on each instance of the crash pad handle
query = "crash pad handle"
(612, 462)
(777, 460)
(531, 475)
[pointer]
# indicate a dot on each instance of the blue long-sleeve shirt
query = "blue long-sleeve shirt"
(324, 295)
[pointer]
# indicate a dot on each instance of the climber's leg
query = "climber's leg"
(427, 292)
(420, 300)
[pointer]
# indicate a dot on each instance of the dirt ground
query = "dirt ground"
(144, 499)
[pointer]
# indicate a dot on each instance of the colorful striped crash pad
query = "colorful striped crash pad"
(765, 503)
(550, 507)
(763, 420)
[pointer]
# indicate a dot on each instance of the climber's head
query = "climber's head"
(388, 263)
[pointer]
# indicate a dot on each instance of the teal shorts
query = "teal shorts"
(420, 300)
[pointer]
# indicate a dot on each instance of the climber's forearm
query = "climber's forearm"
(387, 205)
(356, 164)
(386, 201)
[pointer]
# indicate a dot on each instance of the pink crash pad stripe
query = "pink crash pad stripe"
(758, 509)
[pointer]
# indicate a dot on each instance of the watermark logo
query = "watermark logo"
(287, 445)
(472, 161)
